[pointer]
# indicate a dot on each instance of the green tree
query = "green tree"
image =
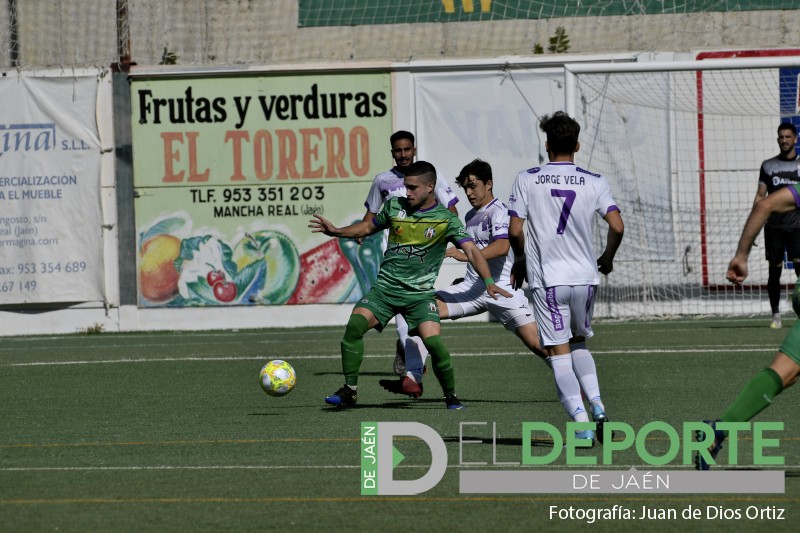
(168, 58)
(559, 42)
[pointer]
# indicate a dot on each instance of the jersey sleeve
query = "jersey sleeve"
(444, 193)
(763, 177)
(517, 202)
(374, 199)
(456, 232)
(605, 202)
(383, 218)
(500, 219)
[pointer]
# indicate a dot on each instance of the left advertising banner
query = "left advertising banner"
(229, 170)
(50, 207)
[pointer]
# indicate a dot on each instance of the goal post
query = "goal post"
(681, 144)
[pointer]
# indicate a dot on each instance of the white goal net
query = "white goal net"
(682, 150)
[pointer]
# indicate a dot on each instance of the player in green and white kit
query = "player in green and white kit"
(759, 392)
(419, 230)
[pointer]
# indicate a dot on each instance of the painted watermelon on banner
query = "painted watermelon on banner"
(326, 276)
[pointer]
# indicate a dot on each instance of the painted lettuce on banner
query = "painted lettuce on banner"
(227, 173)
(50, 210)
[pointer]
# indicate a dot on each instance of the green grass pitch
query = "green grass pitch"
(171, 431)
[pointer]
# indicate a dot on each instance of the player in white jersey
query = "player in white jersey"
(487, 224)
(388, 185)
(559, 201)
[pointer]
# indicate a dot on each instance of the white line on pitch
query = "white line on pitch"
(337, 356)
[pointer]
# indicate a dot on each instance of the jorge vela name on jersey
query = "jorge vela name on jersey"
(556, 179)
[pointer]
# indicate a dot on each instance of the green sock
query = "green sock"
(442, 364)
(756, 396)
(353, 348)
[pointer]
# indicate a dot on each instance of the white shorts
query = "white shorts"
(563, 312)
(468, 299)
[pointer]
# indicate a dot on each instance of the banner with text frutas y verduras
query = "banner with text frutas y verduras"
(50, 209)
(228, 171)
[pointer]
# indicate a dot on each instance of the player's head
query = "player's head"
(403, 149)
(476, 180)
(787, 137)
(420, 182)
(562, 133)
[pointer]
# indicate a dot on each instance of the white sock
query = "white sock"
(416, 353)
(568, 388)
(585, 369)
(402, 328)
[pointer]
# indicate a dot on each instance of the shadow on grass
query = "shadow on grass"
(760, 326)
(400, 403)
(393, 405)
(510, 401)
(360, 374)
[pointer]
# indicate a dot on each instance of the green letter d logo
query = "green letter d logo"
(389, 457)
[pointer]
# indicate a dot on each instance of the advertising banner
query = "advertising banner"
(495, 119)
(228, 172)
(50, 210)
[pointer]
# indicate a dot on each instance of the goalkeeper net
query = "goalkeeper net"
(682, 150)
(36, 34)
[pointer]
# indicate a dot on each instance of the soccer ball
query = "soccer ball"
(277, 378)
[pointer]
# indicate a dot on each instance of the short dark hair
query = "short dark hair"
(562, 132)
(478, 168)
(788, 126)
(421, 169)
(402, 134)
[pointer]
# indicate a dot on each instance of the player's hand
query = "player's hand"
(737, 270)
(604, 265)
(456, 254)
(493, 290)
(320, 224)
(519, 274)
(359, 240)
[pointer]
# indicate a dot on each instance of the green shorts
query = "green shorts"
(791, 344)
(415, 308)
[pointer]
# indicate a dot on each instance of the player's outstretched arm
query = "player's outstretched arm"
(320, 224)
(616, 229)
(366, 218)
(781, 201)
(478, 262)
(455, 253)
(498, 248)
(516, 239)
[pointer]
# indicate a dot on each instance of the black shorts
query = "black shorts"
(778, 239)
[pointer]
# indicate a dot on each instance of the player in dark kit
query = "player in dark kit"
(419, 230)
(782, 230)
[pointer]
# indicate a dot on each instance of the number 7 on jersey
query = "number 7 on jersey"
(569, 198)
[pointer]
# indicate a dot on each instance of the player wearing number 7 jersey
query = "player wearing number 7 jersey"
(554, 252)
